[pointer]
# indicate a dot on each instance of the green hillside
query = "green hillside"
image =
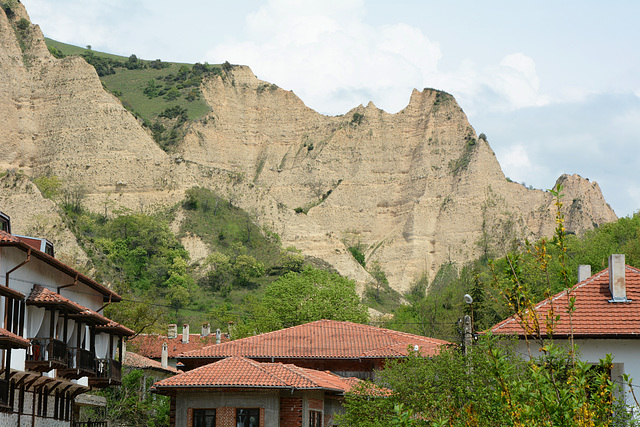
(165, 96)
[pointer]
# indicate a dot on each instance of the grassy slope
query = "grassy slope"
(129, 85)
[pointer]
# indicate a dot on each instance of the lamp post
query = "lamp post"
(467, 325)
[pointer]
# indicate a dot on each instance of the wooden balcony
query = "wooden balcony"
(81, 363)
(108, 372)
(46, 354)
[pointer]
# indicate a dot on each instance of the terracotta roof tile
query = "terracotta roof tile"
(594, 314)
(116, 328)
(323, 339)
(6, 237)
(43, 297)
(137, 361)
(246, 373)
(150, 345)
(9, 339)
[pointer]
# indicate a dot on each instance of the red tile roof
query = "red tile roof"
(7, 239)
(151, 345)
(594, 315)
(137, 361)
(43, 297)
(247, 373)
(323, 339)
(116, 328)
(9, 339)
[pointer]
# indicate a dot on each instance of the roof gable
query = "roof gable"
(322, 339)
(594, 315)
(246, 373)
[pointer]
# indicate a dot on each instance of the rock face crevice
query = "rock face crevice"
(415, 189)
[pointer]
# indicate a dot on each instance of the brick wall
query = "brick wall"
(172, 411)
(290, 412)
(226, 417)
(316, 405)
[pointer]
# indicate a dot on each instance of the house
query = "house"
(606, 319)
(292, 377)
(240, 392)
(54, 343)
(158, 347)
(344, 348)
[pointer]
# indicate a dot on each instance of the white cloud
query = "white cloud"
(330, 57)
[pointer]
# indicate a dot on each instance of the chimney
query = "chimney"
(164, 358)
(185, 333)
(584, 272)
(173, 331)
(218, 336)
(616, 278)
(206, 329)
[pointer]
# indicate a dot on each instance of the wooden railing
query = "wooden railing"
(109, 370)
(82, 359)
(47, 351)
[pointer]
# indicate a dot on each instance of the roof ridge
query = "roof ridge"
(298, 371)
(258, 366)
(553, 298)
(316, 374)
(329, 323)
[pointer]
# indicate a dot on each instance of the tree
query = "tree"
(313, 294)
(219, 271)
(179, 284)
(132, 404)
(245, 268)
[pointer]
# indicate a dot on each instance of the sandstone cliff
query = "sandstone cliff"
(415, 189)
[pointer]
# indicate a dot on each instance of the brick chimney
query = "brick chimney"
(185, 333)
(218, 336)
(173, 331)
(206, 329)
(584, 272)
(164, 358)
(616, 278)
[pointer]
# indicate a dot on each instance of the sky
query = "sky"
(555, 86)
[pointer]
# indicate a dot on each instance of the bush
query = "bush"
(23, 24)
(357, 254)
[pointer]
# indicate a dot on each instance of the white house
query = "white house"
(54, 344)
(606, 320)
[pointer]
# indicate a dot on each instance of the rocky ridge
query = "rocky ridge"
(414, 189)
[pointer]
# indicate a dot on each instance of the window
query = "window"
(204, 418)
(247, 417)
(315, 419)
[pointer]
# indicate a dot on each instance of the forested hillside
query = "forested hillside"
(436, 311)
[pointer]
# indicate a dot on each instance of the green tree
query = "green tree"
(180, 285)
(219, 271)
(132, 403)
(246, 268)
(313, 294)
